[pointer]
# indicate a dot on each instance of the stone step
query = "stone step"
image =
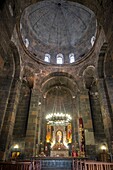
(56, 164)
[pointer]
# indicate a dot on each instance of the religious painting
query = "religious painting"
(48, 135)
(69, 133)
(81, 137)
(59, 136)
(15, 154)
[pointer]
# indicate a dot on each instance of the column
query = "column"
(85, 113)
(105, 87)
(9, 119)
(31, 133)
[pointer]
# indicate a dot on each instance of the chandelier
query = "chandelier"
(58, 116)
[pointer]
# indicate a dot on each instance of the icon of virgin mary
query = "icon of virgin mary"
(59, 136)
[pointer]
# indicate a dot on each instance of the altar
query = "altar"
(59, 153)
(57, 140)
(59, 150)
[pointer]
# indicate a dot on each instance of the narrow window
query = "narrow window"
(59, 58)
(10, 10)
(92, 40)
(47, 58)
(26, 41)
(20, 26)
(71, 58)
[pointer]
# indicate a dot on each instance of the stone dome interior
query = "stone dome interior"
(58, 32)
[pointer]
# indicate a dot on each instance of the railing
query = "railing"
(91, 165)
(33, 165)
(14, 165)
(38, 165)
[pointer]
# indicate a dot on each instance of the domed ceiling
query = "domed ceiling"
(58, 31)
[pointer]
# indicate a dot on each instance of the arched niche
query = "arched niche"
(89, 76)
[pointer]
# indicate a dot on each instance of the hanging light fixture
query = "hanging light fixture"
(58, 116)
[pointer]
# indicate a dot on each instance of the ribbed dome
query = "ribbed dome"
(58, 26)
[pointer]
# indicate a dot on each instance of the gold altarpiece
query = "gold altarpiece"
(59, 136)
(60, 139)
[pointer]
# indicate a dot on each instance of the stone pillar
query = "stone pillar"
(85, 113)
(109, 83)
(75, 119)
(5, 88)
(19, 131)
(9, 119)
(109, 86)
(97, 117)
(31, 133)
(43, 123)
(39, 123)
(105, 87)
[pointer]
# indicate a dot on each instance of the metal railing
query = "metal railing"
(91, 165)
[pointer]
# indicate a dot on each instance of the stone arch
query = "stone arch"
(101, 60)
(89, 76)
(59, 74)
(61, 78)
(81, 72)
(108, 65)
(16, 59)
(60, 91)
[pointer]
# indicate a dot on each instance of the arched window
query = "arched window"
(92, 40)
(59, 58)
(71, 57)
(26, 41)
(11, 10)
(20, 26)
(47, 58)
